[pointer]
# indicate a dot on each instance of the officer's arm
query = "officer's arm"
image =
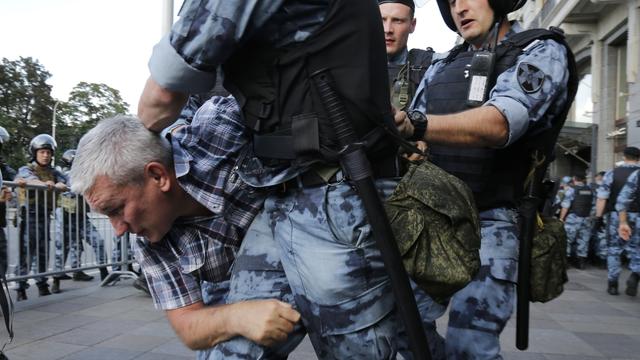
(624, 230)
(265, 322)
(600, 205)
(159, 107)
(563, 213)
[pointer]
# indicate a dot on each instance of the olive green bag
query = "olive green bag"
(435, 223)
(548, 260)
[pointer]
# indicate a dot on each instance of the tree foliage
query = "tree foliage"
(27, 108)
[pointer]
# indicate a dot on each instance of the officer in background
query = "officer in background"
(8, 174)
(599, 231)
(406, 68)
(628, 208)
(479, 109)
(575, 213)
(35, 211)
(72, 227)
(565, 183)
(608, 192)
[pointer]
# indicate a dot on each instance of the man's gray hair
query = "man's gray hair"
(119, 148)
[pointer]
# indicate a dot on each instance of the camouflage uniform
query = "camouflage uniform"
(632, 246)
(479, 312)
(578, 227)
(615, 245)
(34, 221)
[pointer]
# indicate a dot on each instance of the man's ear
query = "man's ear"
(159, 175)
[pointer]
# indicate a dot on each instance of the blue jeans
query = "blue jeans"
(314, 249)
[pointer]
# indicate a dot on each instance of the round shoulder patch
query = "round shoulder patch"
(530, 77)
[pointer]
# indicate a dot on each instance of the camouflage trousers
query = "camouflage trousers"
(34, 244)
(578, 230)
(479, 312)
(313, 248)
(617, 245)
(70, 231)
(600, 238)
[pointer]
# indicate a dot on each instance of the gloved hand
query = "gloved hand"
(598, 222)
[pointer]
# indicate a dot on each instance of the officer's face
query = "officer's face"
(398, 23)
(473, 19)
(43, 157)
(140, 209)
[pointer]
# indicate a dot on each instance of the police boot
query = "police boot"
(81, 276)
(581, 263)
(55, 288)
(22, 295)
(613, 287)
(632, 284)
(44, 290)
(103, 273)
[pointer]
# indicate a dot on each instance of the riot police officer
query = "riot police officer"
(8, 174)
(576, 208)
(36, 209)
(480, 109)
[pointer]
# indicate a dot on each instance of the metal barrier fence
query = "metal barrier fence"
(48, 232)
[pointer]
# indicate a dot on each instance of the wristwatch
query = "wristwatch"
(420, 123)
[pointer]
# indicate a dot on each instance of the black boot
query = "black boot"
(44, 290)
(22, 295)
(81, 276)
(581, 263)
(613, 287)
(103, 273)
(632, 284)
(56, 286)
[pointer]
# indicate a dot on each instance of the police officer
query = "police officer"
(608, 192)
(575, 213)
(8, 174)
(72, 227)
(479, 109)
(565, 183)
(406, 68)
(599, 231)
(285, 62)
(36, 209)
(628, 207)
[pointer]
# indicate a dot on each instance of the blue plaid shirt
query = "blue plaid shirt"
(202, 248)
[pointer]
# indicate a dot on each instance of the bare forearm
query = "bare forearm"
(484, 126)
(159, 107)
(201, 327)
(622, 215)
(563, 214)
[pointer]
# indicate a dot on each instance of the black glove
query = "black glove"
(598, 223)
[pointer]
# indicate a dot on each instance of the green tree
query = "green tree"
(88, 103)
(25, 105)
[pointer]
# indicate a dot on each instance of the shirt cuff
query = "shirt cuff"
(171, 72)
(516, 114)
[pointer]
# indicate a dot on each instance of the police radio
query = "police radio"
(480, 72)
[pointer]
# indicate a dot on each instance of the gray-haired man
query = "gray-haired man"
(183, 197)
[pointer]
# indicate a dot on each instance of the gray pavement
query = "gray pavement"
(86, 321)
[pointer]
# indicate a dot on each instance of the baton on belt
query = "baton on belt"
(355, 164)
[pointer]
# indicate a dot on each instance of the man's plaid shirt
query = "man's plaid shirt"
(202, 248)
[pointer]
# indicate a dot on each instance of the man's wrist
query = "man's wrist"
(420, 123)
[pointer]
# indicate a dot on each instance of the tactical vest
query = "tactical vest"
(620, 176)
(496, 176)
(43, 197)
(405, 79)
(281, 105)
(581, 205)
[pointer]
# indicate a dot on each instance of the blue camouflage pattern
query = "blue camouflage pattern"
(208, 32)
(578, 228)
(70, 232)
(632, 246)
(313, 248)
(616, 246)
(604, 190)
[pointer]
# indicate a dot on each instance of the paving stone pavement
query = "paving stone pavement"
(86, 321)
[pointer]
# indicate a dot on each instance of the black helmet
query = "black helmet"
(500, 8)
(68, 156)
(42, 141)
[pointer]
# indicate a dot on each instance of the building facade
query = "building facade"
(605, 38)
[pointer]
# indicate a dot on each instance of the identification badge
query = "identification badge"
(480, 72)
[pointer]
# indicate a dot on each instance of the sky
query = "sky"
(110, 41)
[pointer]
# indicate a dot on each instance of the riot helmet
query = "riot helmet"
(42, 141)
(4, 135)
(500, 9)
(68, 156)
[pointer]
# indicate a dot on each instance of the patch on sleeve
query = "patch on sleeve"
(530, 77)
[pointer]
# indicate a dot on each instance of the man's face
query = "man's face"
(141, 209)
(43, 157)
(398, 23)
(473, 19)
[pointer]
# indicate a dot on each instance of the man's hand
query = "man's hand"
(265, 322)
(417, 157)
(21, 182)
(403, 124)
(50, 184)
(624, 231)
(61, 186)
